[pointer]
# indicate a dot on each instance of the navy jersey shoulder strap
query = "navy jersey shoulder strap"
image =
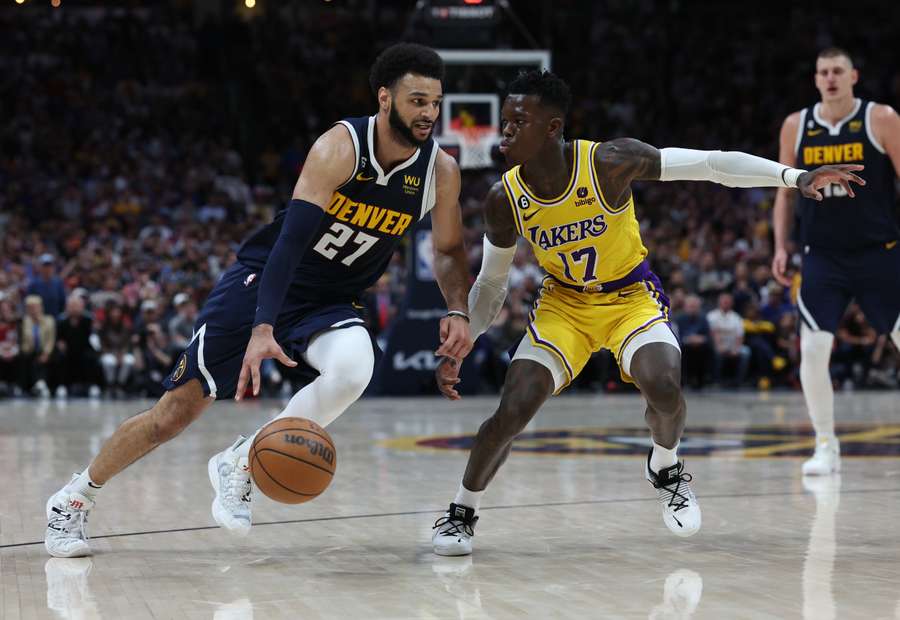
(358, 130)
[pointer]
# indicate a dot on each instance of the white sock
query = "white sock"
(344, 359)
(465, 497)
(815, 353)
(84, 485)
(663, 457)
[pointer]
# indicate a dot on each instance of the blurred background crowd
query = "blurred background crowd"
(139, 146)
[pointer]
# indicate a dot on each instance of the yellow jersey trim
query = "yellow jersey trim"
(598, 189)
(554, 201)
(512, 205)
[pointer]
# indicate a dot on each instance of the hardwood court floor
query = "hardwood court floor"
(569, 529)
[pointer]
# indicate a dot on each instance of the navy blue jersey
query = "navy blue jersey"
(840, 222)
(363, 224)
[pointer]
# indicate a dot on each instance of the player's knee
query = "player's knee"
(815, 346)
(518, 406)
(352, 370)
(663, 392)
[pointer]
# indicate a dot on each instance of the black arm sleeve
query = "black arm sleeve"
(300, 224)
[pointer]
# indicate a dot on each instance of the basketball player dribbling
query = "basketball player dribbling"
(291, 294)
(572, 201)
(849, 250)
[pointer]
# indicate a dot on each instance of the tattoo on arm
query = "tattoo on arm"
(621, 161)
(498, 217)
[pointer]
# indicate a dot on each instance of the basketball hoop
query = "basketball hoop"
(475, 144)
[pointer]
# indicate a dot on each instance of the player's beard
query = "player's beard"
(405, 131)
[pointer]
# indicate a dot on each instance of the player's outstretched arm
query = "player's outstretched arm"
(451, 264)
(620, 161)
(489, 290)
(330, 162)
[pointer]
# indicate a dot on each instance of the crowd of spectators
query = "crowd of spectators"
(139, 148)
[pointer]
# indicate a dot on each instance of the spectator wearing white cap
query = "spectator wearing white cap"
(181, 326)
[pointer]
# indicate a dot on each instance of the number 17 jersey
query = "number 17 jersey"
(578, 237)
(364, 221)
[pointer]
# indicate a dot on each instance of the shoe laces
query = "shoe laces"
(676, 495)
(454, 526)
(237, 486)
(69, 522)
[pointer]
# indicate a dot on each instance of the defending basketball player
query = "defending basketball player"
(849, 251)
(572, 201)
(291, 294)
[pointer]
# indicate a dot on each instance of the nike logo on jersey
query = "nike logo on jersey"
(814, 132)
(360, 177)
(531, 215)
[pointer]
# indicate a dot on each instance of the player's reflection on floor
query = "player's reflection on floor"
(681, 596)
(68, 592)
(818, 565)
(457, 576)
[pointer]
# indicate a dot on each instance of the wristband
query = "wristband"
(460, 314)
(789, 176)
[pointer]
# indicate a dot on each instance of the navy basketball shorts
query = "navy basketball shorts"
(831, 279)
(223, 327)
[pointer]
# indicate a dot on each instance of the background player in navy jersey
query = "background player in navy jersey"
(290, 295)
(849, 248)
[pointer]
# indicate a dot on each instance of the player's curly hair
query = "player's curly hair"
(551, 89)
(402, 58)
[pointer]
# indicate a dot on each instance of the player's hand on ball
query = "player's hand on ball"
(262, 346)
(456, 338)
(447, 375)
(809, 183)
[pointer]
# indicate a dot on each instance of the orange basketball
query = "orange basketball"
(292, 460)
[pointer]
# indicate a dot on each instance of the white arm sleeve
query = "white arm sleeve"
(731, 168)
(489, 290)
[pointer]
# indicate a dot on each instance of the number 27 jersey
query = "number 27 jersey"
(364, 221)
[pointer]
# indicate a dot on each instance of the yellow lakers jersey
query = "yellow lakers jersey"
(577, 237)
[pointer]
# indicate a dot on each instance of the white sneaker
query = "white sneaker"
(67, 514)
(680, 510)
(229, 475)
(826, 460)
(454, 531)
(61, 392)
(94, 391)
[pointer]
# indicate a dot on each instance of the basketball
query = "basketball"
(292, 460)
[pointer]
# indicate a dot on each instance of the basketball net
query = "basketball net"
(475, 144)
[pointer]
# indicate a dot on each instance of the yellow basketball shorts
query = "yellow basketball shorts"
(572, 325)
